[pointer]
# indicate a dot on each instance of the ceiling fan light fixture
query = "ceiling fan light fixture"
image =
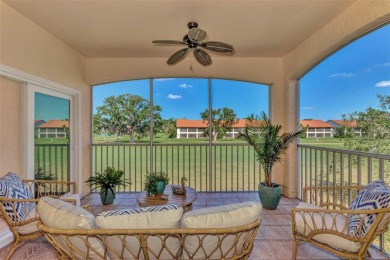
(191, 25)
(193, 39)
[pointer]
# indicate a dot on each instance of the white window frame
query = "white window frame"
(31, 84)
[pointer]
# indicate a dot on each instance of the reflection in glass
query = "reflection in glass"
(51, 138)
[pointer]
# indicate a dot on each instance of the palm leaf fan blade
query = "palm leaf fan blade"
(202, 57)
(177, 56)
(217, 46)
(168, 42)
(196, 34)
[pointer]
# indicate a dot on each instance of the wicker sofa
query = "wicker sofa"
(222, 232)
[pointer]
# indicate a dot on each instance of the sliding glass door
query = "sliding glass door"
(50, 142)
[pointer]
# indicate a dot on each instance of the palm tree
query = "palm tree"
(268, 143)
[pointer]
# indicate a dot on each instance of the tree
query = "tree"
(127, 114)
(346, 130)
(169, 127)
(375, 126)
(222, 120)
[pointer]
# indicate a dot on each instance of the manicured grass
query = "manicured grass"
(50, 141)
(160, 138)
(234, 167)
(336, 143)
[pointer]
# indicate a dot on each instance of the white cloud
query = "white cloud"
(383, 84)
(308, 108)
(384, 64)
(343, 75)
(173, 96)
(163, 79)
(185, 85)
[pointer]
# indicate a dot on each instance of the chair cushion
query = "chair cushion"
(11, 186)
(226, 216)
(30, 227)
(376, 195)
(156, 217)
(320, 221)
(59, 214)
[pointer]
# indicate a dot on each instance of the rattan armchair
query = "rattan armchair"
(25, 228)
(325, 222)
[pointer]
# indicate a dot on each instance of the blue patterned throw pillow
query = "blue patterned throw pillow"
(11, 186)
(376, 195)
(139, 210)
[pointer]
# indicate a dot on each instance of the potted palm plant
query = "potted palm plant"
(269, 146)
(106, 181)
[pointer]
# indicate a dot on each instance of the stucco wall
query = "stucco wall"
(358, 19)
(28, 48)
(10, 155)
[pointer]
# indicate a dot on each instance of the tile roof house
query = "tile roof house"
(53, 129)
(187, 128)
(340, 123)
(317, 128)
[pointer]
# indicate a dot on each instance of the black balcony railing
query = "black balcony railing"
(219, 167)
(53, 160)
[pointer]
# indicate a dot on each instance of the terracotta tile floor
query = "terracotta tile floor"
(272, 242)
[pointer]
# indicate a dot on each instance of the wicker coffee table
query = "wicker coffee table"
(145, 200)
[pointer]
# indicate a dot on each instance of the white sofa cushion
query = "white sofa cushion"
(156, 217)
(231, 215)
(56, 213)
(316, 220)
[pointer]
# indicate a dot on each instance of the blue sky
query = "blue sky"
(188, 97)
(345, 82)
(48, 107)
(349, 80)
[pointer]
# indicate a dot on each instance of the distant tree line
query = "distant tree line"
(128, 114)
(375, 126)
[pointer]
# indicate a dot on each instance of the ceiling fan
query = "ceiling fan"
(193, 39)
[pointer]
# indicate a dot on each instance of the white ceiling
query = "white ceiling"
(126, 28)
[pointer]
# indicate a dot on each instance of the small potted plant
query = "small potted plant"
(106, 181)
(269, 146)
(155, 182)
